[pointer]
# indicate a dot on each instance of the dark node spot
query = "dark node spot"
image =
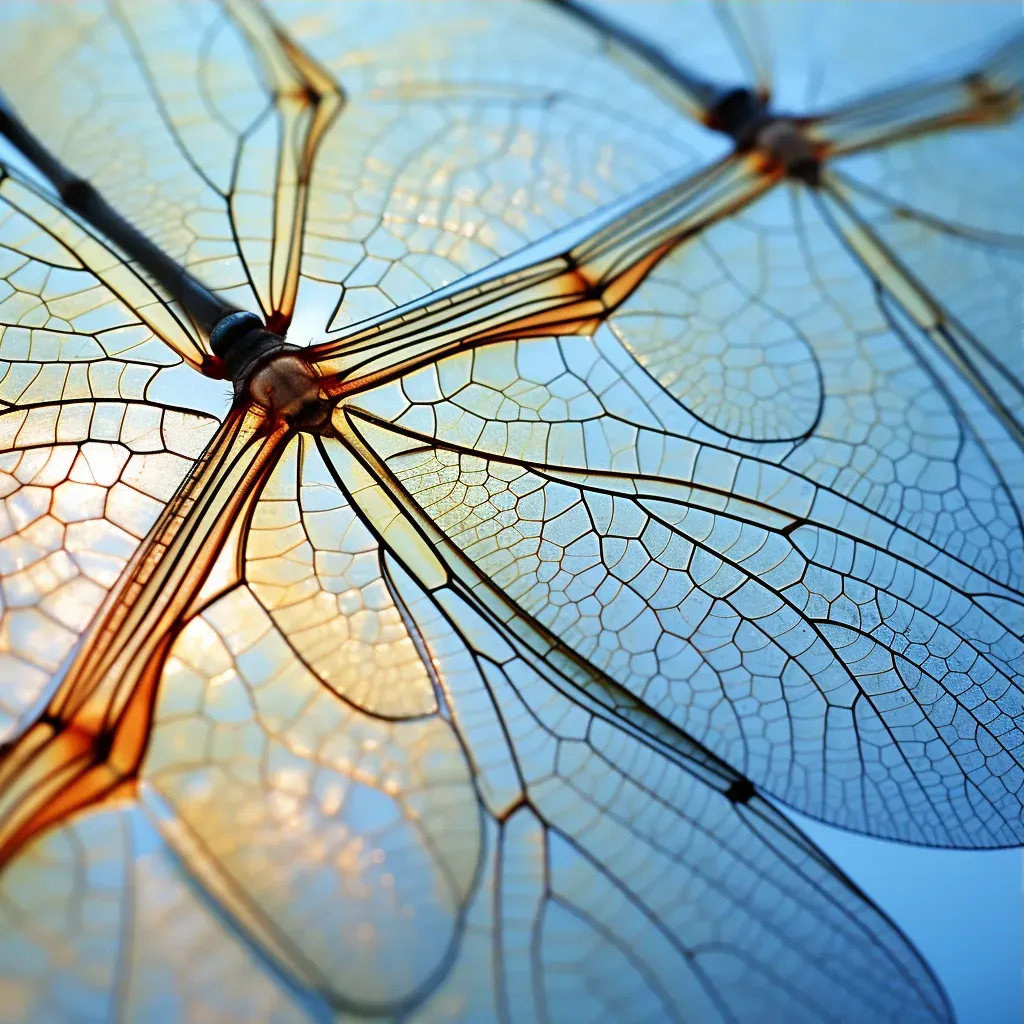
(741, 791)
(102, 744)
(807, 170)
(231, 329)
(737, 114)
(76, 193)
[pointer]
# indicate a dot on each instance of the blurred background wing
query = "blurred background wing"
(810, 55)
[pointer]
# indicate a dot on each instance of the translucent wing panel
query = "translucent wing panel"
(415, 195)
(845, 680)
(565, 912)
(319, 571)
(428, 866)
(361, 838)
(88, 453)
(885, 435)
(718, 324)
(405, 166)
(464, 139)
(694, 38)
(81, 484)
(59, 281)
(976, 279)
(426, 752)
(782, 311)
(608, 815)
(953, 228)
(78, 75)
(588, 815)
(951, 297)
(961, 183)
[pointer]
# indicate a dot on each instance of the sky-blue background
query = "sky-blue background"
(964, 911)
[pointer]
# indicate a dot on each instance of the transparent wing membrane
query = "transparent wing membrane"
(636, 445)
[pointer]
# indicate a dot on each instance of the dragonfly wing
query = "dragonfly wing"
(686, 53)
(214, 121)
(586, 928)
(801, 605)
(814, 52)
(959, 316)
(948, 206)
(318, 571)
(962, 181)
(711, 325)
(36, 231)
(464, 139)
(969, 265)
(503, 853)
(805, 53)
(590, 803)
(89, 449)
(79, 77)
(773, 327)
(360, 160)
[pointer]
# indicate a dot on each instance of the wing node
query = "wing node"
(740, 792)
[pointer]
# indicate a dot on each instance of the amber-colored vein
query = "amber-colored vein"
(90, 741)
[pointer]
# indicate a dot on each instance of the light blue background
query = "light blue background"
(964, 911)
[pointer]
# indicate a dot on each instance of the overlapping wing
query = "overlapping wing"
(93, 436)
(320, 574)
(811, 55)
(466, 138)
(464, 729)
(535, 846)
(932, 218)
(99, 922)
(364, 157)
(833, 606)
(213, 121)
